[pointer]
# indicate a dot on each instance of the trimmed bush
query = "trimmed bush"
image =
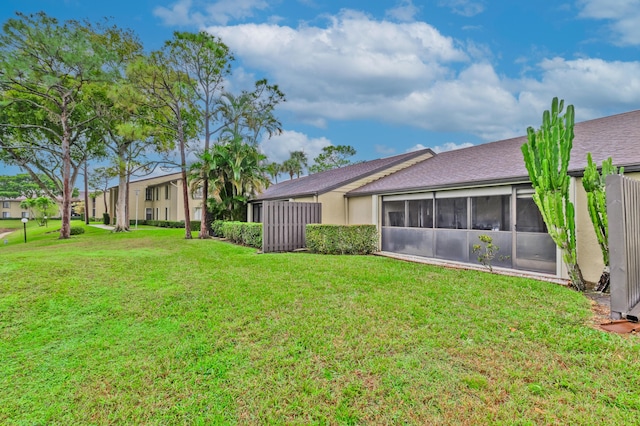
(216, 228)
(195, 225)
(245, 233)
(106, 219)
(76, 230)
(342, 239)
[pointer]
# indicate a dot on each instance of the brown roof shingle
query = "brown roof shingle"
(617, 136)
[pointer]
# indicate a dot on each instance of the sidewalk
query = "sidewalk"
(107, 227)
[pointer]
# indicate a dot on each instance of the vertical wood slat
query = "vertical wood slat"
(284, 224)
(623, 210)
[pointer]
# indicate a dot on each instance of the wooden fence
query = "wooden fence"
(623, 210)
(284, 223)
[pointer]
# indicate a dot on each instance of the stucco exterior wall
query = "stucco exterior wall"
(333, 208)
(10, 209)
(361, 211)
(589, 253)
(163, 208)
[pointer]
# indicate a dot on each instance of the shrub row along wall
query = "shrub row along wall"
(195, 225)
(342, 239)
(245, 233)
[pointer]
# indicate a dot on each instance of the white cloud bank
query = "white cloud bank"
(408, 73)
(279, 147)
(623, 17)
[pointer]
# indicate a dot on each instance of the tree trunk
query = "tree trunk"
(86, 194)
(65, 229)
(122, 225)
(185, 190)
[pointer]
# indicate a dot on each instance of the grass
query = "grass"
(149, 328)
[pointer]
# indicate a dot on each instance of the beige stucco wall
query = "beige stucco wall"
(333, 208)
(361, 211)
(589, 253)
(172, 208)
(13, 210)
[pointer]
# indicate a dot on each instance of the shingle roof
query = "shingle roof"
(617, 136)
(322, 182)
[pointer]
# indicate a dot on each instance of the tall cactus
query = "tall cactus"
(594, 183)
(546, 156)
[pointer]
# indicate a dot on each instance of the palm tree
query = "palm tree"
(296, 163)
(274, 169)
(235, 172)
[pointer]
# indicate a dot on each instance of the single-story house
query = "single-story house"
(437, 207)
(330, 187)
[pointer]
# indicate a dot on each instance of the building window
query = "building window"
(157, 194)
(167, 192)
(491, 213)
(148, 213)
(157, 214)
(25, 215)
(528, 217)
(6, 204)
(197, 194)
(420, 213)
(166, 213)
(197, 213)
(5, 215)
(452, 213)
(148, 194)
(393, 213)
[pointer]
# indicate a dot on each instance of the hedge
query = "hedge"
(245, 233)
(342, 239)
(195, 225)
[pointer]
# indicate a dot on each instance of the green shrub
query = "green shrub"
(76, 230)
(246, 233)
(195, 225)
(216, 228)
(106, 219)
(342, 239)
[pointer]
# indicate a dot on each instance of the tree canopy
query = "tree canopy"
(332, 157)
(49, 74)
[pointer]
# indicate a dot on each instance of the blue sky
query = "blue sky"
(390, 76)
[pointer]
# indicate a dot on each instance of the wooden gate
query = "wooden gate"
(623, 210)
(284, 224)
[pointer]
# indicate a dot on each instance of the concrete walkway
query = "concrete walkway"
(107, 227)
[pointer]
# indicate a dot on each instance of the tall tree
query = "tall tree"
(274, 169)
(332, 157)
(546, 156)
(206, 60)
(236, 173)
(171, 106)
(22, 185)
(99, 181)
(47, 72)
(295, 164)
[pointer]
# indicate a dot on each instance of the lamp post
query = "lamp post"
(137, 193)
(24, 224)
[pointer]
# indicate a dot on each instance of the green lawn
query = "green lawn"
(148, 328)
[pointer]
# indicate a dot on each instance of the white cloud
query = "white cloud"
(179, 14)
(384, 150)
(184, 12)
(447, 146)
(279, 147)
(623, 14)
(404, 12)
(466, 8)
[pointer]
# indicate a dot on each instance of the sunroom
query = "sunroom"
(446, 225)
